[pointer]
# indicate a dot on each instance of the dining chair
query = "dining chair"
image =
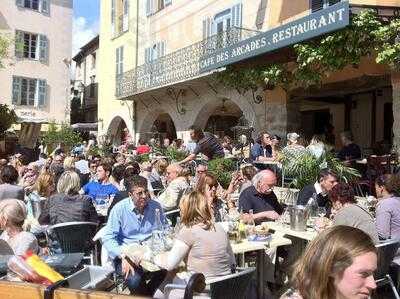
(226, 287)
(76, 237)
(386, 253)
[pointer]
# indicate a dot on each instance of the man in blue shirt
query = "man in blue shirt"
(102, 189)
(132, 220)
(262, 150)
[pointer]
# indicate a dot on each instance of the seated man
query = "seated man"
(327, 179)
(103, 188)
(132, 221)
(262, 150)
(350, 150)
(176, 186)
(260, 198)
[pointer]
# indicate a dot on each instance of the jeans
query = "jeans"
(141, 282)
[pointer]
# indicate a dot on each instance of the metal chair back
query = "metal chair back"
(386, 253)
(74, 236)
(232, 286)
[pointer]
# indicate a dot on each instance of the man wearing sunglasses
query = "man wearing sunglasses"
(132, 220)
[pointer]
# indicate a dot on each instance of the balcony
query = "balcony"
(181, 65)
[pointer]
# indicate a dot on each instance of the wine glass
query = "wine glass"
(321, 211)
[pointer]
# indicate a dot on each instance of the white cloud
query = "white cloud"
(82, 32)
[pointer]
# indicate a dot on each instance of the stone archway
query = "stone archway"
(157, 123)
(115, 130)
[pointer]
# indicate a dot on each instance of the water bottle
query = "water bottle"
(158, 243)
(312, 205)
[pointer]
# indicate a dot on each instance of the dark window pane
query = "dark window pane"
(35, 4)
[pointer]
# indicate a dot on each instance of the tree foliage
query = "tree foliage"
(7, 118)
(4, 47)
(62, 134)
(316, 59)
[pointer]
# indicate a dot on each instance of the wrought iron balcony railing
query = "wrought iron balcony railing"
(181, 65)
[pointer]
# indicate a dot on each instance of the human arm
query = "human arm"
(189, 158)
(44, 217)
(383, 218)
(170, 260)
(110, 237)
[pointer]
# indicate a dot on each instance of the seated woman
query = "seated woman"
(339, 263)
(208, 186)
(293, 148)
(202, 242)
(388, 207)
(12, 217)
(68, 205)
(42, 189)
(347, 212)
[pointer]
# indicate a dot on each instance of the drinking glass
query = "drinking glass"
(321, 212)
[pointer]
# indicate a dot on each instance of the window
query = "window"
(113, 17)
(154, 6)
(154, 52)
(320, 4)
(119, 61)
(32, 46)
(125, 16)
(93, 61)
(38, 5)
(29, 92)
(223, 21)
(92, 86)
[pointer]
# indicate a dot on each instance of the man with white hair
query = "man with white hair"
(260, 198)
(176, 186)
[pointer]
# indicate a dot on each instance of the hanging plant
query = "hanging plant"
(317, 59)
(7, 118)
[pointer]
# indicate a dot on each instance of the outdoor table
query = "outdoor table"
(259, 247)
(284, 229)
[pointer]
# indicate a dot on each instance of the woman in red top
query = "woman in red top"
(142, 148)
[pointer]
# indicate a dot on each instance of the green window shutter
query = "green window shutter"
(43, 48)
(16, 90)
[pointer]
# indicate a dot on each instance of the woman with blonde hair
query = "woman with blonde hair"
(338, 264)
(204, 243)
(12, 217)
(68, 205)
(42, 190)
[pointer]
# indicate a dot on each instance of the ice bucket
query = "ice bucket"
(298, 218)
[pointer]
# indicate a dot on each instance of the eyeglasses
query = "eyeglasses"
(141, 193)
(200, 171)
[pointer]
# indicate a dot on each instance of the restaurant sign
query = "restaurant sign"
(321, 22)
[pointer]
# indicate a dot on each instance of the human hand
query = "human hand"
(271, 215)
(127, 267)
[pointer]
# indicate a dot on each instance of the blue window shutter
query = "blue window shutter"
(121, 60)
(207, 28)
(117, 61)
(19, 44)
(148, 7)
(44, 46)
(16, 90)
(236, 15)
(125, 20)
(167, 2)
(19, 3)
(42, 92)
(112, 17)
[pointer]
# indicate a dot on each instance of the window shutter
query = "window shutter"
(333, 2)
(316, 5)
(121, 60)
(160, 50)
(19, 3)
(16, 90)
(112, 17)
(167, 2)
(43, 47)
(148, 7)
(207, 28)
(42, 92)
(125, 20)
(117, 61)
(44, 6)
(147, 55)
(19, 44)
(236, 15)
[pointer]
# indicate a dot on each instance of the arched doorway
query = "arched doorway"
(223, 118)
(162, 127)
(115, 130)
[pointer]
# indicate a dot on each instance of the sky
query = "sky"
(85, 23)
